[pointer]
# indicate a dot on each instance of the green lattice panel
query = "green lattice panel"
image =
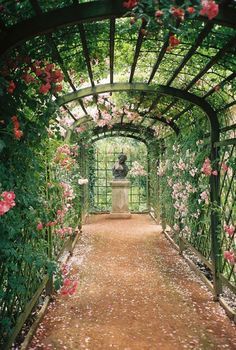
(228, 200)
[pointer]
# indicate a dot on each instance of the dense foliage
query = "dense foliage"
(40, 196)
(184, 175)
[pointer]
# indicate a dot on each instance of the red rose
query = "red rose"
(178, 13)
(11, 87)
(159, 13)
(129, 4)
(44, 88)
(58, 88)
(191, 9)
(27, 78)
(18, 133)
(173, 41)
(209, 9)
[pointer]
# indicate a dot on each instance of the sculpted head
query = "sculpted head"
(122, 158)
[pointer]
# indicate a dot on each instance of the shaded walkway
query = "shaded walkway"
(135, 293)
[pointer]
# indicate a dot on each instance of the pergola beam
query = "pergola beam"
(86, 53)
(69, 112)
(206, 30)
(160, 119)
(228, 105)
(59, 60)
(159, 59)
(217, 57)
(36, 7)
(211, 63)
(210, 92)
(137, 52)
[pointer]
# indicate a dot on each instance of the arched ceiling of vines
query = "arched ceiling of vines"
(94, 43)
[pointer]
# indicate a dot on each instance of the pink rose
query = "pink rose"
(39, 226)
(209, 9)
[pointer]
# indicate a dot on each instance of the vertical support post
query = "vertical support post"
(216, 253)
(181, 245)
(49, 286)
(162, 203)
(82, 189)
(157, 187)
(148, 179)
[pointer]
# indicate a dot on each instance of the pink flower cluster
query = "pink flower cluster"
(105, 121)
(207, 168)
(41, 226)
(7, 201)
(224, 167)
(181, 165)
(137, 170)
(230, 256)
(64, 156)
(61, 214)
(229, 229)
(205, 197)
(68, 192)
(161, 170)
(80, 129)
(64, 230)
(69, 287)
(133, 116)
(65, 269)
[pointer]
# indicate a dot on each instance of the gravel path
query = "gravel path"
(135, 293)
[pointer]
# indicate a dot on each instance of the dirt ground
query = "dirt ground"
(135, 293)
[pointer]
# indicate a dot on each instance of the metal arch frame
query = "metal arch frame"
(125, 128)
(105, 135)
(215, 132)
(131, 128)
(78, 13)
(144, 87)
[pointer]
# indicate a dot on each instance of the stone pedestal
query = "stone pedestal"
(120, 199)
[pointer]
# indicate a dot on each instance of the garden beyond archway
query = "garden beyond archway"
(75, 72)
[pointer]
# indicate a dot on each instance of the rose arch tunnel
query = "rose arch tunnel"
(74, 73)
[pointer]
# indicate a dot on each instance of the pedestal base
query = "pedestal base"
(120, 200)
(119, 215)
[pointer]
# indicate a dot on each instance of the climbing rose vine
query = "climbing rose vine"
(137, 170)
(168, 14)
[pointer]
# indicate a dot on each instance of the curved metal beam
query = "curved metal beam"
(140, 129)
(126, 127)
(49, 21)
(79, 13)
(157, 89)
(106, 135)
